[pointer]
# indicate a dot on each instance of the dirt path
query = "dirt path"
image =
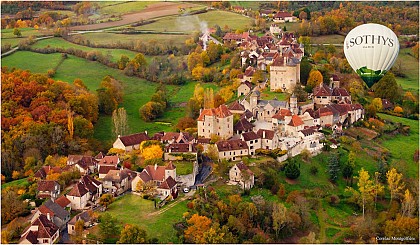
(152, 11)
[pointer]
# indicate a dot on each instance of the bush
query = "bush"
(334, 200)
(313, 170)
(292, 171)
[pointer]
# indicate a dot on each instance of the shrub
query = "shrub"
(314, 170)
(334, 200)
(292, 171)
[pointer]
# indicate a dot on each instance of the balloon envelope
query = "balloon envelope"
(371, 50)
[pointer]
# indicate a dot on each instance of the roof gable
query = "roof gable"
(134, 139)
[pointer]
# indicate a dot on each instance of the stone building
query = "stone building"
(215, 121)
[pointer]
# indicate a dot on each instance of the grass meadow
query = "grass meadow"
(137, 210)
(26, 60)
(117, 8)
(61, 43)
(410, 67)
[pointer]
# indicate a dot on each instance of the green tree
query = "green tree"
(108, 226)
(300, 93)
(291, 170)
(305, 69)
(132, 234)
(77, 237)
(334, 167)
(17, 32)
(11, 207)
(306, 41)
(387, 88)
(122, 63)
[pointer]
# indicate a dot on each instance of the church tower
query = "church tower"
(170, 170)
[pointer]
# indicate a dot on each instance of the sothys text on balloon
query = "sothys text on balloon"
(371, 39)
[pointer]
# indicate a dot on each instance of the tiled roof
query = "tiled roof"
(168, 184)
(157, 173)
(295, 121)
(145, 176)
(31, 236)
(110, 160)
(90, 183)
(46, 228)
(230, 145)
(386, 104)
(232, 36)
(203, 141)
(335, 77)
(82, 216)
(115, 176)
(247, 114)
(307, 131)
(282, 15)
(62, 201)
(134, 139)
(99, 156)
(170, 136)
(221, 112)
(282, 113)
(104, 169)
(170, 166)
(236, 106)
(249, 71)
(47, 185)
(242, 167)
(250, 136)
(158, 136)
(340, 92)
(269, 134)
(322, 90)
(78, 190)
(243, 125)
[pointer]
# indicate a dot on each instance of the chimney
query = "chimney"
(155, 166)
(48, 216)
(201, 110)
(284, 58)
(189, 148)
(263, 134)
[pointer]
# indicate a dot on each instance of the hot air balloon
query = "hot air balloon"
(371, 50)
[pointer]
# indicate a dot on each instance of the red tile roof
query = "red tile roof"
(236, 106)
(78, 190)
(249, 72)
(221, 112)
(170, 166)
(47, 185)
(282, 113)
(168, 184)
(250, 136)
(269, 134)
(296, 121)
(46, 228)
(170, 136)
(322, 90)
(134, 139)
(180, 147)
(157, 173)
(282, 15)
(63, 201)
(109, 160)
(242, 167)
(340, 92)
(230, 145)
(104, 169)
(116, 176)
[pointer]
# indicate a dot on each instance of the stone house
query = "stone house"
(284, 74)
(178, 151)
(78, 196)
(269, 139)
(241, 174)
(232, 150)
(48, 189)
(242, 126)
(116, 182)
(41, 231)
(104, 169)
(130, 142)
(58, 215)
(252, 140)
(244, 88)
(282, 17)
(215, 121)
(294, 126)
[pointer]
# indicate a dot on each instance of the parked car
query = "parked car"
(186, 190)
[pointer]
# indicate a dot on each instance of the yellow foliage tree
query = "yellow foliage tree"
(408, 205)
(15, 174)
(398, 109)
(395, 183)
(152, 152)
(226, 93)
(198, 226)
(53, 176)
(377, 103)
(315, 78)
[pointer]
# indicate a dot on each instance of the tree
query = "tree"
(377, 103)
(152, 152)
(106, 200)
(415, 50)
(17, 32)
(77, 237)
(300, 93)
(333, 167)
(108, 226)
(151, 110)
(11, 207)
(387, 88)
(315, 78)
(70, 125)
(132, 234)
(120, 122)
(281, 192)
(309, 239)
(347, 172)
(208, 99)
(279, 217)
(365, 185)
(306, 41)
(110, 94)
(122, 63)
(395, 184)
(403, 227)
(186, 122)
(198, 225)
(291, 170)
(408, 205)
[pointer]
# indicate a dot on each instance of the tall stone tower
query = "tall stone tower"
(254, 99)
(170, 170)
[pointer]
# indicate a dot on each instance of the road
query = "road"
(17, 47)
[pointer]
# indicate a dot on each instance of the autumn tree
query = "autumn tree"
(120, 122)
(122, 63)
(106, 200)
(11, 206)
(152, 152)
(309, 239)
(365, 190)
(403, 227)
(197, 226)
(377, 103)
(395, 183)
(315, 78)
(70, 124)
(133, 234)
(279, 217)
(17, 32)
(208, 99)
(408, 204)
(77, 237)
(415, 50)
(110, 94)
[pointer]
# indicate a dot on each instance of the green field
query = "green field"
(116, 8)
(328, 39)
(136, 210)
(26, 32)
(112, 38)
(26, 60)
(183, 167)
(192, 23)
(19, 182)
(115, 54)
(410, 67)
(246, 4)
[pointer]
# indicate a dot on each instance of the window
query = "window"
(203, 130)
(224, 153)
(251, 147)
(256, 141)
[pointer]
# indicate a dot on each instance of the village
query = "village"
(242, 129)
